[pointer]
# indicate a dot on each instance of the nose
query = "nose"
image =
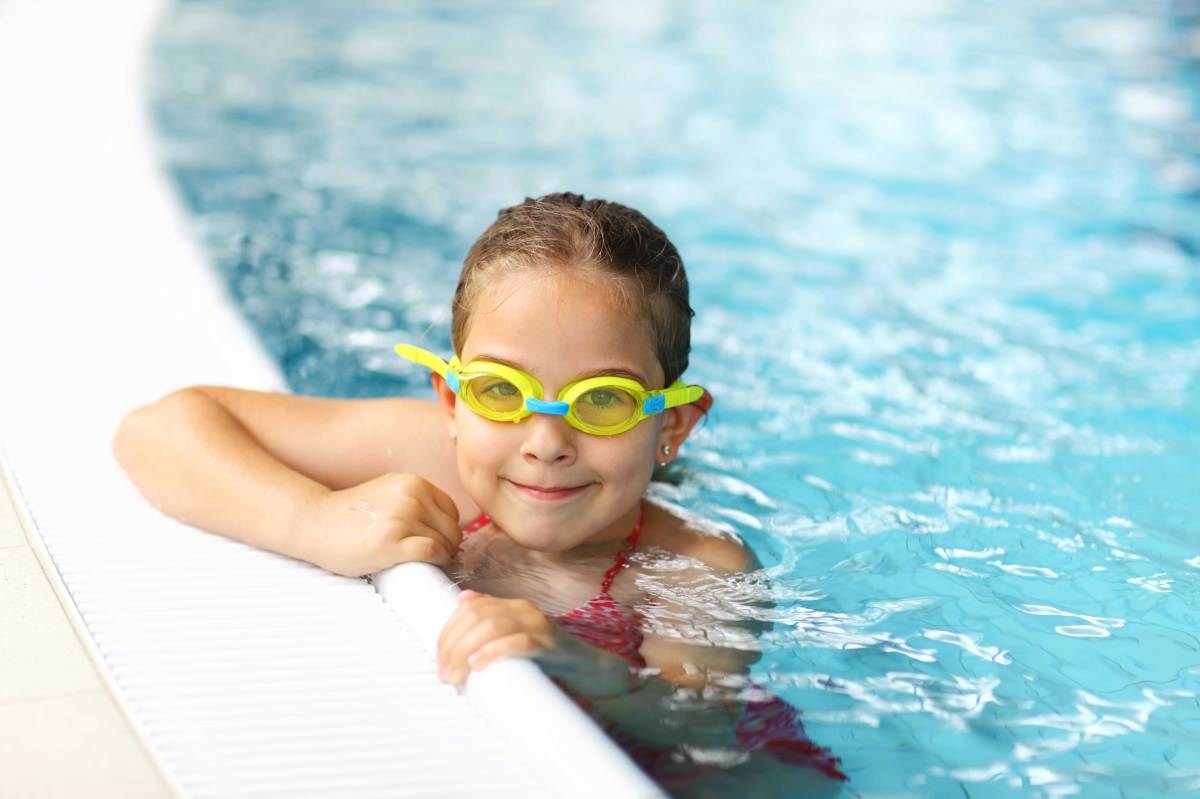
(548, 439)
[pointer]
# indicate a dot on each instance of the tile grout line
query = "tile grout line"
(29, 700)
(10, 493)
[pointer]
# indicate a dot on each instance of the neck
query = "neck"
(619, 530)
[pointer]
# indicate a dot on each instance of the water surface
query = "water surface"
(945, 265)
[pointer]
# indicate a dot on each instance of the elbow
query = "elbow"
(132, 426)
(124, 440)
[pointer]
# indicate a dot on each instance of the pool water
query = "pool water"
(945, 260)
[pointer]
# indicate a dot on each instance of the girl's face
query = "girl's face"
(559, 327)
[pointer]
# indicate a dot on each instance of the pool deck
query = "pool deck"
(62, 732)
(121, 674)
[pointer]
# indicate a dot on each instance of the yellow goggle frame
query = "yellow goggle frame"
(600, 406)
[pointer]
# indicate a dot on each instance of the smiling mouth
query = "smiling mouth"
(549, 492)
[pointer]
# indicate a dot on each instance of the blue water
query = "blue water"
(944, 259)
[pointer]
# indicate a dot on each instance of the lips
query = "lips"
(548, 492)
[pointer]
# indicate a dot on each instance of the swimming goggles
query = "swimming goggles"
(601, 406)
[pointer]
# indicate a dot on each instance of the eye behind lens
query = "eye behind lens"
(605, 407)
(495, 394)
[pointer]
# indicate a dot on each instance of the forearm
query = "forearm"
(638, 701)
(657, 713)
(194, 461)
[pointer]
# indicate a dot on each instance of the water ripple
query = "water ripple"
(947, 280)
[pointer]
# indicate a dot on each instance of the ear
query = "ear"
(446, 399)
(678, 426)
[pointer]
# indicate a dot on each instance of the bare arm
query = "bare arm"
(268, 469)
(691, 641)
(195, 461)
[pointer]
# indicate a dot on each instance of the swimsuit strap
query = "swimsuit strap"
(475, 525)
(618, 564)
(622, 556)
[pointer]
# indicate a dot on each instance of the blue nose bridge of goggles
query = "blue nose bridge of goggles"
(554, 408)
(651, 406)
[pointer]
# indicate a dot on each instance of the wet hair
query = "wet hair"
(591, 239)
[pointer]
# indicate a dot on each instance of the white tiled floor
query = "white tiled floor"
(62, 734)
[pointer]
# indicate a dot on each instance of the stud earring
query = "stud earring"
(666, 449)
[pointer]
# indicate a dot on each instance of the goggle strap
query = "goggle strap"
(431, 361)
(677, 396)
(423, 357)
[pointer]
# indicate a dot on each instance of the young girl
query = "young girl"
(525, 479)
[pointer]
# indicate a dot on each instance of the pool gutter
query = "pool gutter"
(228, 671)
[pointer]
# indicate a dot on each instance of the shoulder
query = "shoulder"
(720, 553)
(678, 536)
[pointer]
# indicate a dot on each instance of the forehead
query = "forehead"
(557, 326)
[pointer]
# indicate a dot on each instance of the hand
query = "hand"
(485, 628)
(394, 518)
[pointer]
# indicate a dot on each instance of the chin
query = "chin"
(541, 543)
(549, 540)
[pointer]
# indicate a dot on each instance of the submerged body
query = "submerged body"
(489, 561)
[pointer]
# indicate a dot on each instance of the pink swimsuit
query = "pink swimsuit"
(772, 725)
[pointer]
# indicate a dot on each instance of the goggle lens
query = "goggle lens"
(605, 406)
(495, 394)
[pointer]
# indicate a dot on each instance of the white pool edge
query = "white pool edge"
(10, 492)
(77, 166)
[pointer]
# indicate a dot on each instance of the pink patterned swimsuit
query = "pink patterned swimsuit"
(772, 725)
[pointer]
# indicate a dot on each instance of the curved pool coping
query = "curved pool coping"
(108, 304)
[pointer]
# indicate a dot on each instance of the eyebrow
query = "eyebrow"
(614, 372)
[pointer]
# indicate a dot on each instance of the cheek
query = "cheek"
(625, 456)
(482, 446)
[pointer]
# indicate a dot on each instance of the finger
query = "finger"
(442, 499)
(423, 528)
(430, 521)
(422, 548)
(454, 626)
(461, 619)
(443, 523)
(500, 619)
(487, 629)
(518, 644)
(471, 623)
